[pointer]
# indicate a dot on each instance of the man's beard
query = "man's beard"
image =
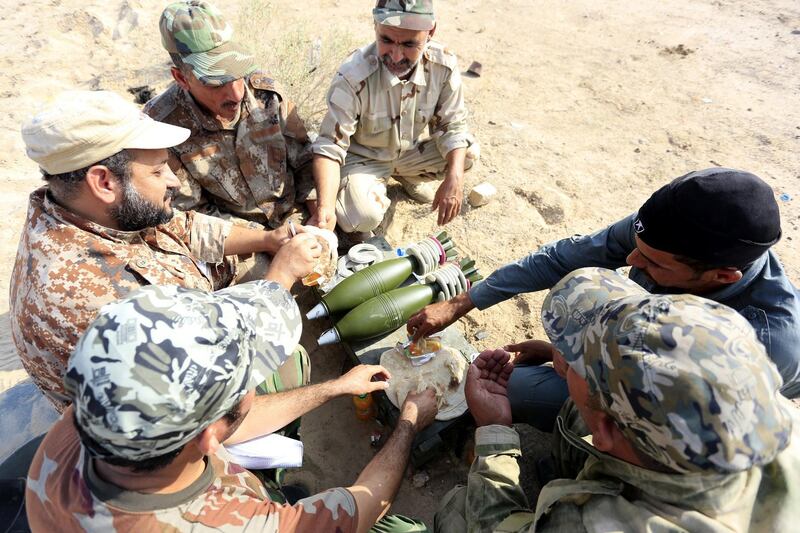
(135, 213)
(405, 64)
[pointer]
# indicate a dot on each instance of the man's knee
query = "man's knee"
(361, 203)
(473, 154)
(452, 513)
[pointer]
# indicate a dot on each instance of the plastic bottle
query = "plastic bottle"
(364, 407)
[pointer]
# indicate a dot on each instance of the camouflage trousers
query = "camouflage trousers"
(293, 373)
(362, 201)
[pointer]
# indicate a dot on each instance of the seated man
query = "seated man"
(395, 108)
(707, 233)
(687, 429)
(248, 157)
(103, 225)
(159, 381)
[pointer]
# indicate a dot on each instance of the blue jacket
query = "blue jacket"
(764, 295)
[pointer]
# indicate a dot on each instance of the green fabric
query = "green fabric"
(398, 524)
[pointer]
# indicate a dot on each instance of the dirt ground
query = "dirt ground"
(582, 110)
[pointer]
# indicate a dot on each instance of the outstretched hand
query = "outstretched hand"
(531, 352)
(486, 388)
(364, 379)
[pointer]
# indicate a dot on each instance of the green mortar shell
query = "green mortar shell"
(368, 283)
(384, 313)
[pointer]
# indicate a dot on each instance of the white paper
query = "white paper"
(269, 451)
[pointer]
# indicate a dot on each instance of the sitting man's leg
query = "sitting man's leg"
(536, 393)
(419, 169)
(362, 201)
(293, 373)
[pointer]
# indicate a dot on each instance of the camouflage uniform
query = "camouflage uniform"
(256, 168)
(379, 126)
(68, 267)
(64, 493)
(688, 384)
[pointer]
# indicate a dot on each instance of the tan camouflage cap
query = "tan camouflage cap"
(80, 128)
(199, 36)
(157, 367)
(406, 14)
(685, 378)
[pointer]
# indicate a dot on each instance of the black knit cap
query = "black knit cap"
(719, 216)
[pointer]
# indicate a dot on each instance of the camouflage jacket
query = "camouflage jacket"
(374, 114)
(67, 268)
(64, 493)
(256, 168)
(613, 495)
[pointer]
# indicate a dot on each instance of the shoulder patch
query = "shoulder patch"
(360, 65)
(159, 107)
(437, 53)
(262, 81)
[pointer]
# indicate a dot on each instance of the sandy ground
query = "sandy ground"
(583, 109)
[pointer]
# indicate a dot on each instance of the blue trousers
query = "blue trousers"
(536, 394)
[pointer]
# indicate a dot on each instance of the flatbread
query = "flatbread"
(445, 373)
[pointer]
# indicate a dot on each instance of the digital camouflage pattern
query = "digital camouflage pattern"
(67, 268)
(257, 168)
(158, 366)
(685, 378)
(65, 494)
(371, 113)
(613, 495)
(196, 34)
(408, 14)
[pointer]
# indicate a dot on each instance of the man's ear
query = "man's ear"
(431, 32)
(727, 275)
(208, 440)
(604, 432)
(103, 184)
(179, 78)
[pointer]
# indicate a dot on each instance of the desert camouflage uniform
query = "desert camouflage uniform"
(379, 126)
(689, 385)
(65, 493)
(256, 168)
(67, 268)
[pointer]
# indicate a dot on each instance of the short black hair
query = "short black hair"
(65, 185)
(144, 465)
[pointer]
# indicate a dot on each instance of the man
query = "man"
(248, 158)
(395, 108)
(103, 225)
(706, 233)
(159, 381)
(687, 429)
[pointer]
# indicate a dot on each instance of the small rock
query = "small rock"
(707, 100)
(637, 150)
(480, 335)
(420, 480)
(481, 194)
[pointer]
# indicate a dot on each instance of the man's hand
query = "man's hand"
(283, 234)
(295, 259)
(323, 216)
(449, 197)
(487, 380)
(420, 409)
(531, 352)
(435, 317)
(359, 380)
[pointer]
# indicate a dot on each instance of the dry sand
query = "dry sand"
(583, 109)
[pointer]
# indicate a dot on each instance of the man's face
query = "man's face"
(399, 49)
(579, 392)
(666, 271)
(147, 193)
(220, 101)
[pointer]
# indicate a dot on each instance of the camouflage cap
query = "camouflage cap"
(157, 367)
(684, 378)
(406, 14)
(195, 33)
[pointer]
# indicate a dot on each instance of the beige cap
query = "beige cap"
(80, 128)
